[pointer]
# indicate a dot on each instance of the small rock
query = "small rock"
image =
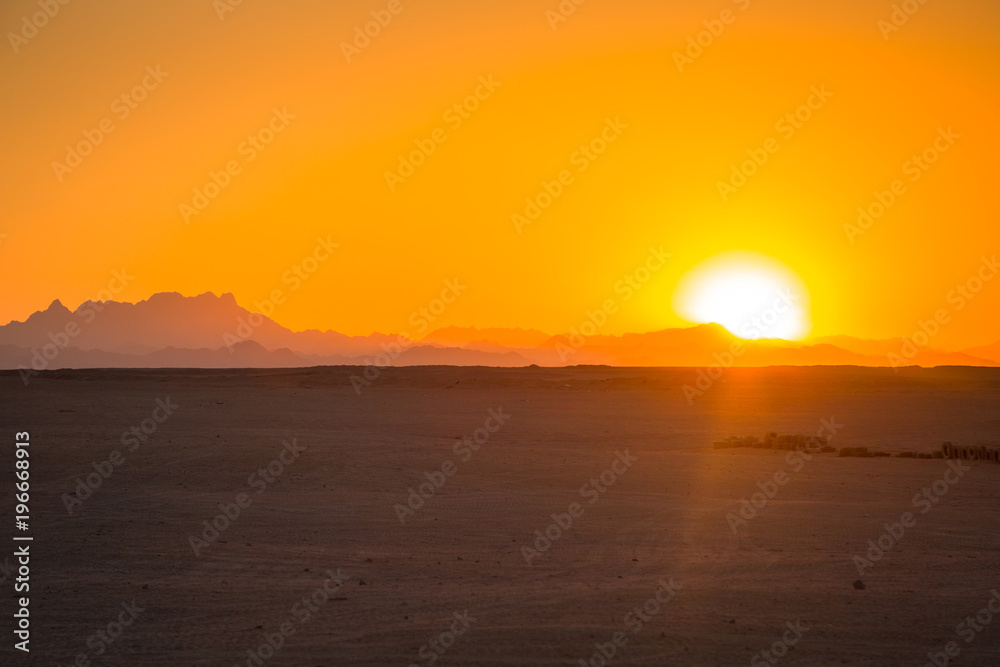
(860, 585)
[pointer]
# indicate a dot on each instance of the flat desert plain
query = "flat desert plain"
(336, 559)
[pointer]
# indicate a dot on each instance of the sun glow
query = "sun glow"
(750, 294)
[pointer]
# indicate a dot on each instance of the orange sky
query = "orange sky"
(656, 185)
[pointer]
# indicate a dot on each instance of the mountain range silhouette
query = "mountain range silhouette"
(169, 330)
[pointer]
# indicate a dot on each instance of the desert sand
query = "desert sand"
(332, 509)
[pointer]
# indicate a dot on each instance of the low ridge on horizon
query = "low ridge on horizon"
(170, 329)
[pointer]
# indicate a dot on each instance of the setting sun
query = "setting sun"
(750, 294)
(507, 332)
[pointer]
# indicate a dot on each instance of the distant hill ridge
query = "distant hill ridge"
(169, 330)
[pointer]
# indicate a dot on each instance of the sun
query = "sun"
(750, 294)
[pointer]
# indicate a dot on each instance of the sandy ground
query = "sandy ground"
(662, 518)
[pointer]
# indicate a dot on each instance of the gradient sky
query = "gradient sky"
(656, 185)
